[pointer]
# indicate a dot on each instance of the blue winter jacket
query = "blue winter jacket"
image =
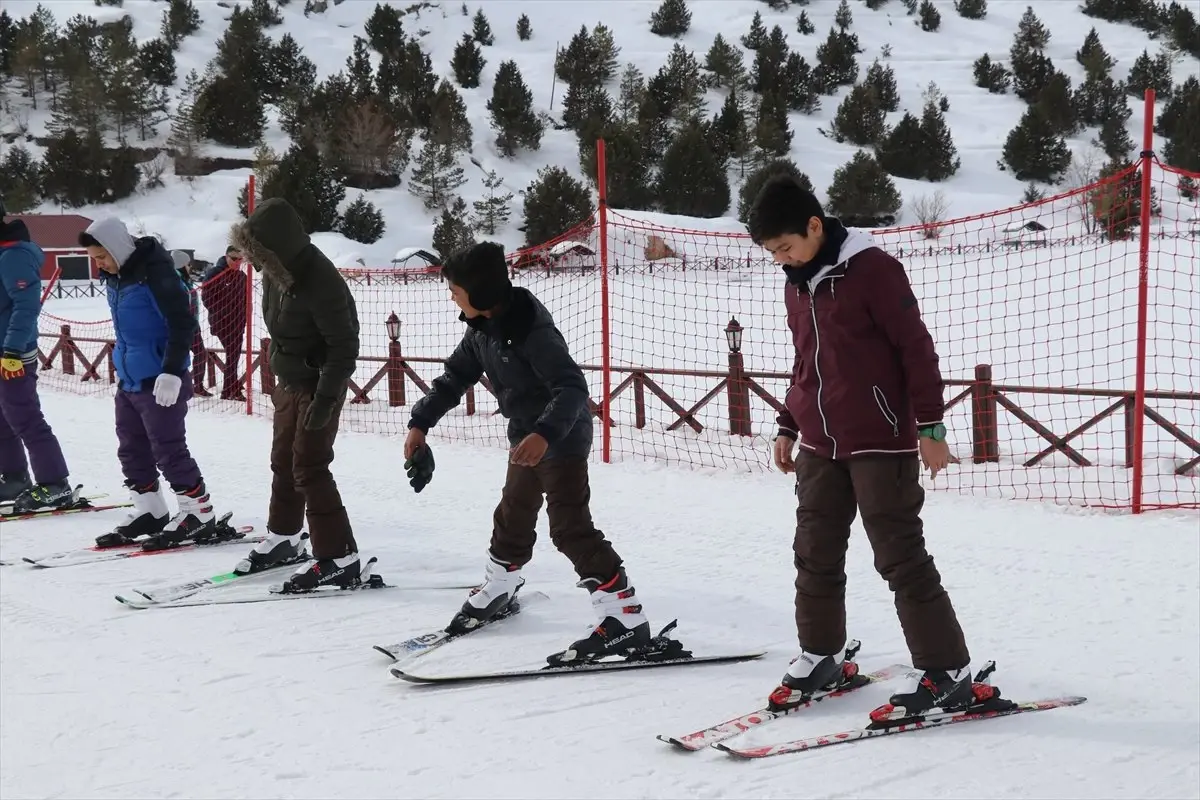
(151, 316)
(20, 290)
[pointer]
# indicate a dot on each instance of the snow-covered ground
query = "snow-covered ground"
(289, 700)
(197, 214)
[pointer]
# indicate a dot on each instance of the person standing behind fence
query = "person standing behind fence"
(312, 319)
(183, 262)
(23, 426)
(153, 328)
(223, 292)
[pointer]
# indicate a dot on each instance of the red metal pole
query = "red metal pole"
(250, 309)
(1139, 389)
(605, 332)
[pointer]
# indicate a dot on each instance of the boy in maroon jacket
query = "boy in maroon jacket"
(864, 404)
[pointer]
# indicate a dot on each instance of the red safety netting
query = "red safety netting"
(1036, 312)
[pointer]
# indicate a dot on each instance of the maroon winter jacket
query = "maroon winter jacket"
(223, 293)
(866, 371)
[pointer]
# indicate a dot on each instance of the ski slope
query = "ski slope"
(288, 699)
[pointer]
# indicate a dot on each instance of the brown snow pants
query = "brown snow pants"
(301, 482)
(564, 483)
(888, 491)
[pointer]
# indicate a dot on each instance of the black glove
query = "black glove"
(318, 414)
(419, 468)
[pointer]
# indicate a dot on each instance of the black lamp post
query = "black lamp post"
(737, 385)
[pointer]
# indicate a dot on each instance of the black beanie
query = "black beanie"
(482, 272)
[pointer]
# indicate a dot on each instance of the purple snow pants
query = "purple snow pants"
(153, 439)
(24, 427)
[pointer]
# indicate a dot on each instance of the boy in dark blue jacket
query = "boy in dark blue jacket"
(153, 326)
(23, 427)
(511, 338)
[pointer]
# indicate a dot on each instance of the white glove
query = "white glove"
(166, 389)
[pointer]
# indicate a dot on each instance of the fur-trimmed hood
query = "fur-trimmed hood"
(274, 240)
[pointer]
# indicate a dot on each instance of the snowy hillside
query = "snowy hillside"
(287, 699)
(196, 214)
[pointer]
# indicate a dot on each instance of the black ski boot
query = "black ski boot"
(148, 517)
(46, 497)
(276, 550)
(623, 629)
(939, 692)
(194, 523)
(810, 674)
(340, 573)
(13, 485)
(491, 600)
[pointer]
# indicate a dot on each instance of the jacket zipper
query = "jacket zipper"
(881, 401)
(812, 306)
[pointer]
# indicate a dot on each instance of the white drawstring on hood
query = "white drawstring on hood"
(114, 237)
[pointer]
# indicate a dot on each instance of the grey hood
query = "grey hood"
(113, 236)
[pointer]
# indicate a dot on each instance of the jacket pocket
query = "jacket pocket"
(885, 409)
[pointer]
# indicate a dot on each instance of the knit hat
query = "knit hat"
(181, 259)
(482, 272)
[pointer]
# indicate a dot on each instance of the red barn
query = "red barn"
(58, 236)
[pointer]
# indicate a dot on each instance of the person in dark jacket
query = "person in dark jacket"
(183, 263)
(864, 404)
(511, 338)
(154, 327)
(312, 319)
(23, 426)
(223, 292)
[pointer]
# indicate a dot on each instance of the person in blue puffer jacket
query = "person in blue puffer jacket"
(23, 426)
(153, 326)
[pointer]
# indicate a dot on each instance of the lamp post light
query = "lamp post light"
(395, 362)
(737, 385)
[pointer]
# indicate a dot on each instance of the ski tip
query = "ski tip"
(129, 603)
(385, 651)
(675, 743)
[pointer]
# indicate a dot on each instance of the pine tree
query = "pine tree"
(757, 179)
(554, 204)
(360, 73)
(691, 178)
(468, 62)
(1057, 105)
(991, 76)
(836, 64)
(1116, 205)
(862, 195)
(362, 222)
(672, 19)
(492, 212)
(724, 64)
(1031, 71)
(452, 234)
(1148, 73)
(524, 28)
(436, 175)
(757, 33)
(678, 88)
(290, 75)
(450, 125)
(929, 18)
(1034, 152)
(1031, 33)
(266, 13)
(800, 85)
(156, 62)
(940, 156)
(606, 51)
(804, 25)
(897, 153)
(1092, 56)
(578, 62)
(384, 29)
(730, 137)
(310, 185)
(769, 62)
(842, 17)
(859, 119)
(772, 134)
(481, 30)
(511, 107)
(20, 180)
(971, 9)
(883, 80)
(1183, 145)
(1114, 137)
(227, 98)
(179, 20)
(629, 172)
(630, 92)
